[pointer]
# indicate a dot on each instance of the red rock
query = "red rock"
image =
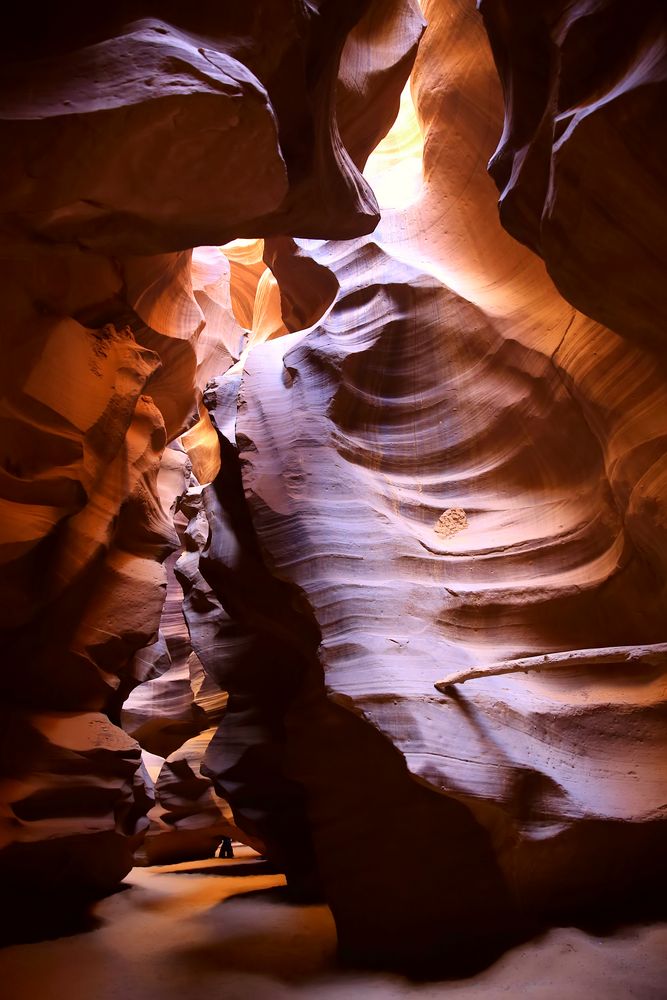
(420, 465)
(581, 162)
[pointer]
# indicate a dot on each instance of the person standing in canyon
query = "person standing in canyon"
(226, 850)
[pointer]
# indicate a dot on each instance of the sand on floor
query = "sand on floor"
(224, 930)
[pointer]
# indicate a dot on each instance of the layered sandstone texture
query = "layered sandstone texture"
(462, 477)
(422, 533)
(173, 713)
(580, 165)
(128, 140)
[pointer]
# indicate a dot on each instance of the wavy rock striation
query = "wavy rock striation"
(126, 91)
(463, 477)
(83, 586)
(129, 140)
(581, 162)
(420, 464)
(404, 406)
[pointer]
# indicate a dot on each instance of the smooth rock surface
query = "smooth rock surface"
(447, 385)
(581, 162)
(426, 549)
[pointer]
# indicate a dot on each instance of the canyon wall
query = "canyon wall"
(128, 141)
(580, 163)
(422, 531)
(463, 477)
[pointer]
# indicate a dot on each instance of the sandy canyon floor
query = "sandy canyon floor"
(223, 930)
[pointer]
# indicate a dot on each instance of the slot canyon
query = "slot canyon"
(334, 499)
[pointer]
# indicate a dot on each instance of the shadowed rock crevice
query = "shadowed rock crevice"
(256, 640)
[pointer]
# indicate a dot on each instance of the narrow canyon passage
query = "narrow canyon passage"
(333, 429)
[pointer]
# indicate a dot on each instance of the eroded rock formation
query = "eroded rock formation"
(128, 136)
(581, 162)
(447, 465)
(419, 463)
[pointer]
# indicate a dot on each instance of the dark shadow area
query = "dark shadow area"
(49, 887)
(633, 910)
(28, 919)
(473, 959)
(469, 966)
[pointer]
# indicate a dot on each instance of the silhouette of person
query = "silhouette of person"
(226, 850)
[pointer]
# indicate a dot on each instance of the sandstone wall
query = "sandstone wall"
(426, 560)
